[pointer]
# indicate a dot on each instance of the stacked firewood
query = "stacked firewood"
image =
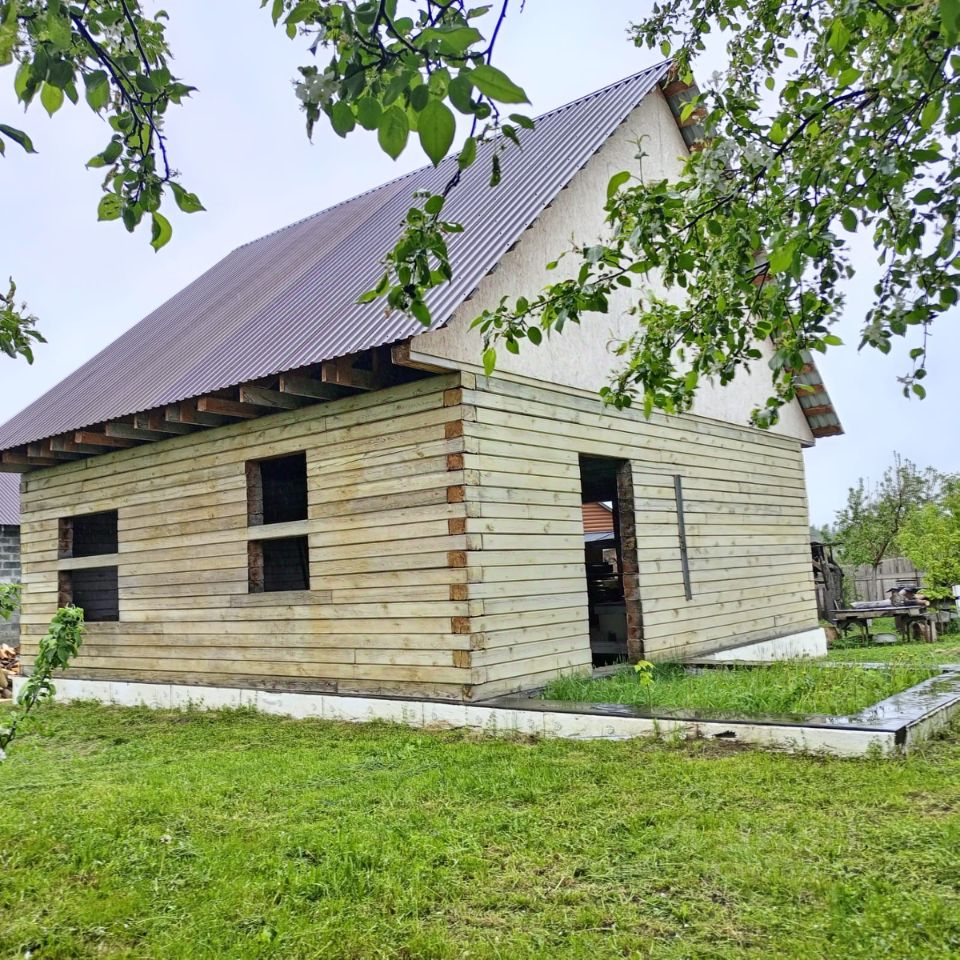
(9, 668)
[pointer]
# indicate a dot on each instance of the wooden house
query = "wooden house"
(266, 485)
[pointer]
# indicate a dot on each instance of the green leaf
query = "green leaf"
(161, 231)
(97, 89)
(393, 131)
(18, 136)
(496, 85)
(930, 113)
(419, 309)
(434, 205)
(950, 18)
(849, 219)
(109, 208)
(535, 336)
(186, 201)
(782, 258)
(51, 97)
(112, 152)
(489, 360)
(616, 182)
(342, 119)
(521, 121)
(368, 113)
(459, 92)
(436, 128)
(468, 154)
(839, 36)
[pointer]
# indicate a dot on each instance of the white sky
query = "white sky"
(240, 145)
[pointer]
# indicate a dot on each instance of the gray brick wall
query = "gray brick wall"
(10, 573)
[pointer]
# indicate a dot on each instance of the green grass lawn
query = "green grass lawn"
(162, 835)
(946, 650)
(787, 687)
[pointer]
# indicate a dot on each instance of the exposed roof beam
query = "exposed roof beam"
(96, 439)
(228, 408)
(68, 444)
(344, 373)
(188, 412)
(400, 355)
(16, 461)
(156, 422)
(43, 450)
(262, 397)
(301, 386)
(128, 431)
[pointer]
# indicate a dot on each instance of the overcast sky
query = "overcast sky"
(240, 144)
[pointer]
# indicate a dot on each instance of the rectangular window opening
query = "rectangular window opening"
(94, 590)
(88, 534)
(278, 565)
(277, 490)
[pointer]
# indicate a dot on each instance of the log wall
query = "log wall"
(445, 543)
(387, 608)
(746, 530)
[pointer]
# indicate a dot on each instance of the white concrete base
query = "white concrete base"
(809, 643)
(489, 719)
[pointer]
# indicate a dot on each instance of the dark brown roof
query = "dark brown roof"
(289, 298)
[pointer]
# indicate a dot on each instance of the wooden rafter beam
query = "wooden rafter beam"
(127, 431)
(229, 408)
(300, 386)
(43, 450)
(66, 443)
(94, 438)
(155, 421)
(17, 461)
(343, 372)
(262, 397)
(400, 355)
(188, 411)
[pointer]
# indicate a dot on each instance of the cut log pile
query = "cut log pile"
(9, 668)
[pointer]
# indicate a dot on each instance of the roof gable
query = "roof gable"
(289, 299)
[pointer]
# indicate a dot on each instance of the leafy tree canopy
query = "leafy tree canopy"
(930, 538)
(869, 526)
(832, 117)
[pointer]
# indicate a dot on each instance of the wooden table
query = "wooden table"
(904, 616)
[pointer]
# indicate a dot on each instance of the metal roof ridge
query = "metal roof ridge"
(451, 159)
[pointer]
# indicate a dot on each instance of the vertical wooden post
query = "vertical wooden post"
(682, 533)
(629, 564)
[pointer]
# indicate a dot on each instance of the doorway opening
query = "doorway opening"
(610, 559)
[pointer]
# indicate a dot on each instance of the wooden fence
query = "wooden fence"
(872, 583)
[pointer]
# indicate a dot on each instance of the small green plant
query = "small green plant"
(9, 599)
(644, 671)
(57, 648)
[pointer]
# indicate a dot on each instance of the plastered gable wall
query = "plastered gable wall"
(581, 357)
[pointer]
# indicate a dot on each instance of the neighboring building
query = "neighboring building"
(265, 484)
(10, 548)
(597, 518)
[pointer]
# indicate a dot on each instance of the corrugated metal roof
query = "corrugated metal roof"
(816, 405)
(599, 536)
(10, 499)
(289, 298)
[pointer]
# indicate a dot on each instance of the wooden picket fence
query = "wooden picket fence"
(872, 583)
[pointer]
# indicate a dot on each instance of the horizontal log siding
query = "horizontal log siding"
(387, 610)
(746, 525)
